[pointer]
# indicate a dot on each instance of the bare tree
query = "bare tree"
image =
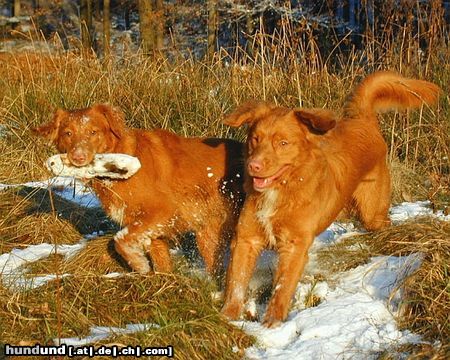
(159, 25)
(96, 9)
(15, 12)
(106, 27)
(86, 23)
(212, 28)
(146, 26)
(16, 8)
(126, 17)
(250, 29)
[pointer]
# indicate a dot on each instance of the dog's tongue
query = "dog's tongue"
(261, 183)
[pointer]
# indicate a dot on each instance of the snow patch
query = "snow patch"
(98, 333)
(11, 264)
(408, 210)
(352, 321)
(66, 187)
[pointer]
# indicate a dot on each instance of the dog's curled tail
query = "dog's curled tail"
(386, 90)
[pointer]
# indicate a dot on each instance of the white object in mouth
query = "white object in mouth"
(113, 166)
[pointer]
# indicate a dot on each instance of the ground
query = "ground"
(335, 314)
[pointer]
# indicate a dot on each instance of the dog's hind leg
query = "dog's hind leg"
(373, 198)
(134, 242)
(211, 245)
(214, 234)
(158, 250)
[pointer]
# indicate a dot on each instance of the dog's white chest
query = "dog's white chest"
(266, 208)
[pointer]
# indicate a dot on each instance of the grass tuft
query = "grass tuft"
(22, 224)
(98, 256)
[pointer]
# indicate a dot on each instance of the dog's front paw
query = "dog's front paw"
(273, 318)
(231, 311)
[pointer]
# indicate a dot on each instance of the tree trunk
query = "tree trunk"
(212, 28)
(16, 12)
(250, 29)
(146, 26)
(159, 24)
(86, 24)
(16, 8)
(106, 27)
(127, 17)
(97, 10)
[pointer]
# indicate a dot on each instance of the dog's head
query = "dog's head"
(83, 133)
(279, 139)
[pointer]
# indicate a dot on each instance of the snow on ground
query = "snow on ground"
(407, 210)
(67, 187)
(355, 318)
(11, 264)
(98, 333)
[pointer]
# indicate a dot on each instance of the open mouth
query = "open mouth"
(261, 183)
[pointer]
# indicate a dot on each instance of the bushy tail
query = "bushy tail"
(385, 90)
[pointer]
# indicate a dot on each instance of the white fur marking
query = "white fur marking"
(266, 208)
(145, 239)
(121, 234)
(117, 213)
(238, 293)
(107, 183)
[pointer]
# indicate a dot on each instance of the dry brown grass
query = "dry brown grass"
(21, 225)
(30, 216)
(426, 302)
(98, 257)
(191, 97)
(181, 307)
(407, 184)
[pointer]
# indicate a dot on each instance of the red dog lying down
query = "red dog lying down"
(183, 184)
(303, 167)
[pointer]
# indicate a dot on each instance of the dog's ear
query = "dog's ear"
(115, 117)
(318, 121)
(50, 130)
(247, 113)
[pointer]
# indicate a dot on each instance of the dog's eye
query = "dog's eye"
(93, 132)
(68, 133)
(284, 142)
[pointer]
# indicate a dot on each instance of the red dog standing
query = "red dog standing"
(303, 167)
(183, 184)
